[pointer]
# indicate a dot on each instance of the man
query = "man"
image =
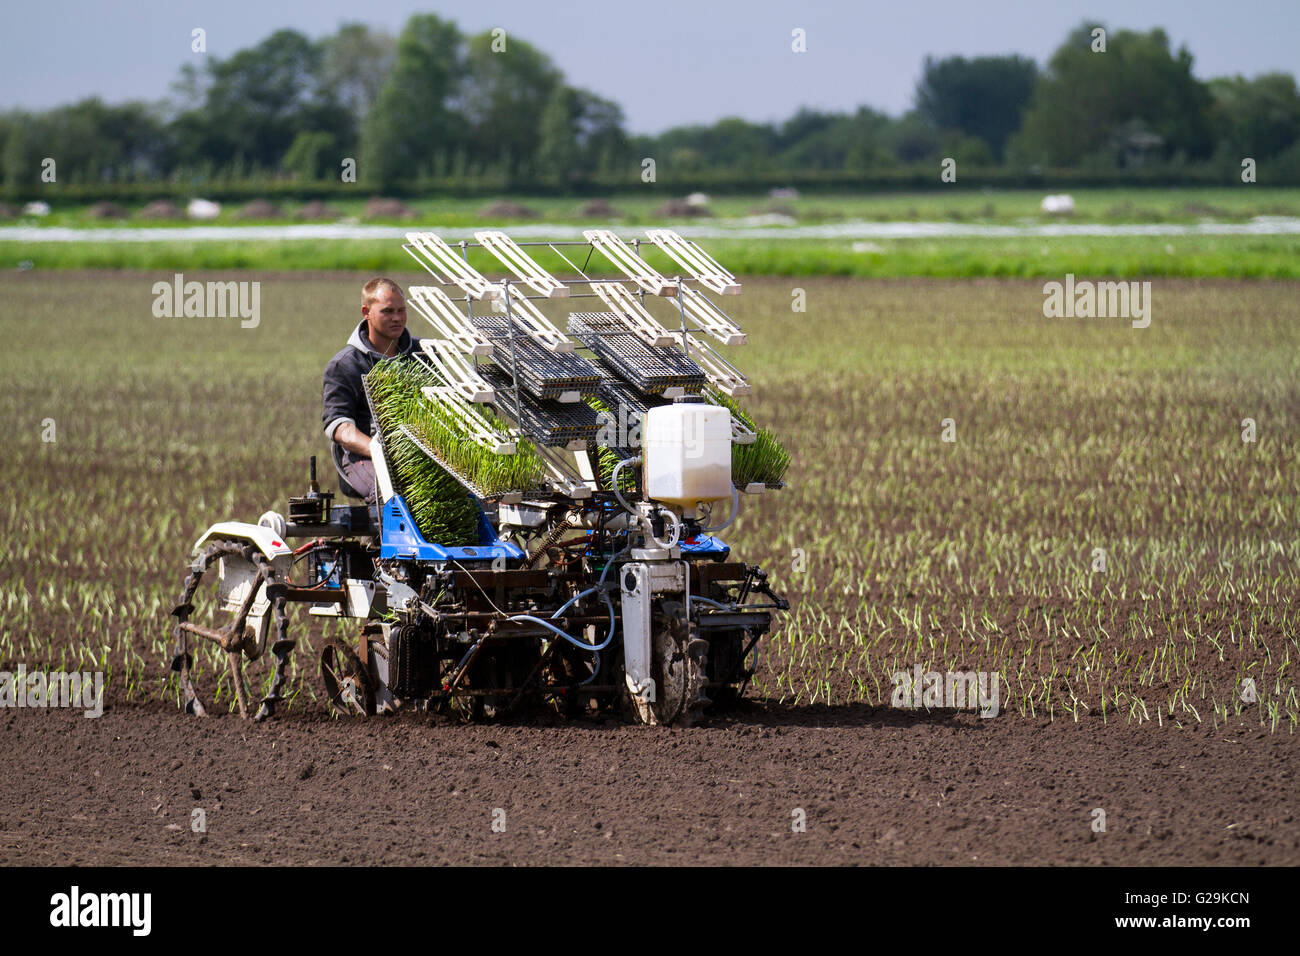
(381, 334)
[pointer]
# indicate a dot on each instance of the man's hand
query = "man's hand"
(353, 439)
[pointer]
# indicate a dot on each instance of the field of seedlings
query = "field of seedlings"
(1100, 518)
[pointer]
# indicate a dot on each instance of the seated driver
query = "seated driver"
(381, 334)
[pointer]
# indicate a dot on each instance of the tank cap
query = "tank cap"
(689, 400)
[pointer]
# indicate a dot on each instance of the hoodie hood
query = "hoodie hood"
(361, 342)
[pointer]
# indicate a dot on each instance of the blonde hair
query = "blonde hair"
(370, 291)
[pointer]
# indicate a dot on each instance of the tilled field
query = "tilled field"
(1099, 533)
(877, 786)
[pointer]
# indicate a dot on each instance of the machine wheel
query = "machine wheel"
(237, 640)
(679, 665)
(347, 682)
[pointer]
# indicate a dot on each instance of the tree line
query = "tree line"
(436, 106)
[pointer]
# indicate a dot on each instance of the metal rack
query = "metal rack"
(528, 365)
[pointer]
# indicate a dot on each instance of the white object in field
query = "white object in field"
(37, 208)
(383, 481)
(522, 264)
(710, 319)
(634, 315)
(628, 262)
(539, 328)
(203, 209)
(634, 583)
(702, 266)
(686, 448)
(697, 199)
(448, 362)
(1058, 204)
(452, 324)
(442, 260)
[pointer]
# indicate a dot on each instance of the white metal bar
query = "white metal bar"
(539, 328)
(524, 267)
(629, 263)
(710, 319)
(720, 372)
(453, 403)
(703, 267)
(635, 315)
(457, 372)
(452, 324)
(461, 273)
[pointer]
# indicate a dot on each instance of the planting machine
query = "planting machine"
(598, 582)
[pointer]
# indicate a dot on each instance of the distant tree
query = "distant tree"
(558, 150)
(355, 63)
(256, 102)
(804, 124)
(1110, 104)
(981, 97)
(414, 114)
(602, 141)
(1258, 118)
(503, 97)
(312, 155)
(857, 141)
(91, 141)
(730, 143)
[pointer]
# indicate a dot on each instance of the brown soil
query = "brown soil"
(878, 787)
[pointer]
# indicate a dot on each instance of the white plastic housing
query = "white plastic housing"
(687, 453)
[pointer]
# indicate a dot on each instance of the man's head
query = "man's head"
(384, 309)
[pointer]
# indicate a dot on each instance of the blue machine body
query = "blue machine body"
(400, 538)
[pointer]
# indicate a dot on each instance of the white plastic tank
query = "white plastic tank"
(686, 450)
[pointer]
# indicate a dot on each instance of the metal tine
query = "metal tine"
(629, 263)
(524, 267)
(711, 319)
(702, 266)
(637, 318)
(539, 328)
(446, 319)
(461, 273)
(546, 420)
(721, 373)
(665, 370)
(457, 372)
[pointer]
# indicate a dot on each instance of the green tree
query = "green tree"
(414, 116)
(981, 97)
(1258, 118)
(355, 63)
(1111, 104)
(257, 101)
(558, 150)
(503, 97)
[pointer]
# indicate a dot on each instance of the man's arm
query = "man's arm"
(353, 439)
(342, 399)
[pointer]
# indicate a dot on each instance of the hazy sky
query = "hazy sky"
(666, 63)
